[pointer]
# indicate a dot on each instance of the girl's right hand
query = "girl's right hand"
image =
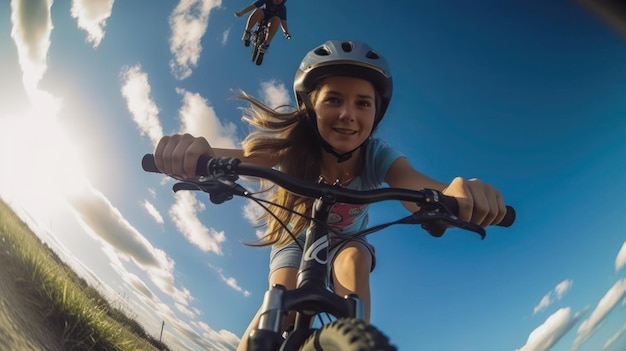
(178, 154)
(479, 203)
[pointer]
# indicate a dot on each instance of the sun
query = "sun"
(40, 166)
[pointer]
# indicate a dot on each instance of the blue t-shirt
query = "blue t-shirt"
(350, 218)
(271, 9)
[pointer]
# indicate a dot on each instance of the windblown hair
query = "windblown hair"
(289, 138)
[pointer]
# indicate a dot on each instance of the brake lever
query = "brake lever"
(219, 190)
(436, 223)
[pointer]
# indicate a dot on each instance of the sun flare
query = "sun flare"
(40, 165)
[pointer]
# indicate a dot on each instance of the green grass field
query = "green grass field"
(72, 314)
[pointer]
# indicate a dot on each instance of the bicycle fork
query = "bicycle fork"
(268, 335)
(277, 301)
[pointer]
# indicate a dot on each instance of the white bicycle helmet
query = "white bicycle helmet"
(344, 58)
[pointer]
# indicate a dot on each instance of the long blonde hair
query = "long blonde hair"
(288, 137)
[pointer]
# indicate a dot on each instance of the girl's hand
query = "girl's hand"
(479, 203)
(178, 154)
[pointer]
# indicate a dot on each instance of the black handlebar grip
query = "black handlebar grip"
(202, 168)
(148, 165)
(509, 217)
(507, 221)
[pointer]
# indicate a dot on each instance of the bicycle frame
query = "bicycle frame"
(312, 295)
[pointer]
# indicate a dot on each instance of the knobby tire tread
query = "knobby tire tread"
(259, 59)
(348, 334)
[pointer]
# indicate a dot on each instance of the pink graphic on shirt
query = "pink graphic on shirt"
(343, 215)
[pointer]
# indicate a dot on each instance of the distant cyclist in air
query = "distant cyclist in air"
(274, 12)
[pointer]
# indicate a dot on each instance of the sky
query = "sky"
(529, 96)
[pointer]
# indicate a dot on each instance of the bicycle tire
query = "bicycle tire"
(255, 52)
(259, 59)
(347, 334)
(255, 45)
(257, 38)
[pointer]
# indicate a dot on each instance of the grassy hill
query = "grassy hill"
(44, 304)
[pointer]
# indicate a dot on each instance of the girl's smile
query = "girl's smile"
(345, 109)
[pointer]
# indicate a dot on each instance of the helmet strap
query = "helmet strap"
(325, 145)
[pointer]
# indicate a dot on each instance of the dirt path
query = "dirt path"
(22, 326)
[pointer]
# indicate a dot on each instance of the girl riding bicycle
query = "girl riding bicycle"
(273, 12)
(343, 90)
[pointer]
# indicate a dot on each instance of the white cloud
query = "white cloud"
(611, 299)
(139, 285)
(251, 212)
(562, 288)
(551, 331)
(145, 113)
(105, 220)
(188, 24)
(274, 94)
(92, 16)
(197, 117)
(184, 310)
(230, 281)
(544, 303)
(620, 261)
(31, 28)
(184, 213)
(153, 211)
(100, 218)
(615, 337)
(178, 333)
(225, 339)
(554, 295)
(207, 338)
(225, 36)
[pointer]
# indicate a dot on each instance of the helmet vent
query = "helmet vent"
(346, 46)
(322, 51)
(372, 55)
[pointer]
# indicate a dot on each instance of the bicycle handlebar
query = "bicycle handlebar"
(232, 168)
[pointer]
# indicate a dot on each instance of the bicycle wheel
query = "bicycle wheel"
(255, 49)
(347, 335)
(259, 59)
(259, 39)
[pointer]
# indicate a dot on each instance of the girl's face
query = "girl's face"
(345, 109)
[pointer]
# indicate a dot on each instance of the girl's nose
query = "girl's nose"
(346, 113)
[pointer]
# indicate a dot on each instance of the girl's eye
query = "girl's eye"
(332, 100)
(364, 103)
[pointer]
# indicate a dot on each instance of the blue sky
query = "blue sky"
(527, 96)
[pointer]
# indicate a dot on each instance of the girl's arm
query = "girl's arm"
(479, 203)
(245, 10)
(238, 153)
(402, 175)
